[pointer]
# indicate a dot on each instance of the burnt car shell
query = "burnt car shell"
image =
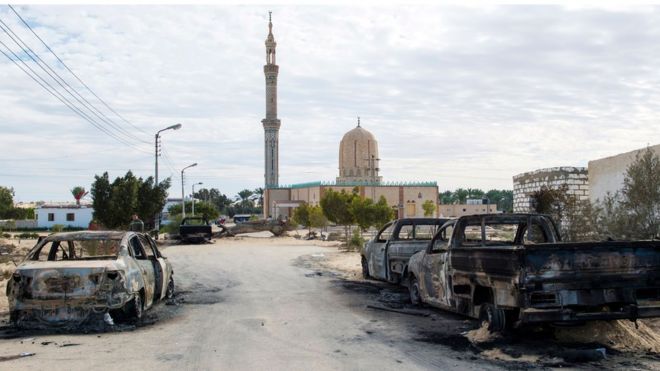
(65, 289)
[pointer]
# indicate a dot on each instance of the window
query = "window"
(493, 234)
(534, 234)
(70, 217)
(410, 210)
(51, 217)
(386, 233)
(425, 231)
(77, 250)
(136, 248)
(406, 232)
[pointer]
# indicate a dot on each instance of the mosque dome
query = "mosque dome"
(358, 157)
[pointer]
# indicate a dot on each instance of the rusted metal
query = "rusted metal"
(529, 276)
(67, 277)
(385, 257)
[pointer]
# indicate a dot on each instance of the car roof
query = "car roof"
(88, 235)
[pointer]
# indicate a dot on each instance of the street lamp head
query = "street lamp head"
(175, 127)
(195, 164)
(200, 183)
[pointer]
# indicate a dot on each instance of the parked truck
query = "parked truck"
(510, 270)
(195, 229)
(385, 257)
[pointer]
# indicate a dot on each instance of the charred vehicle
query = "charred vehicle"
(195, 229)
(385, 257)
(512, 270)
(67, 277)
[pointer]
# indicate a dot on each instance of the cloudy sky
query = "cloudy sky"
(465, 96)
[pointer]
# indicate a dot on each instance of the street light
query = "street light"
(173, 127)
(157, 145)
(193, 197)
(183, 199)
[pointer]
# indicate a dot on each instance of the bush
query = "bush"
(6, 235)
(173, 226)
(27, 236)
(57, 228)
(356, 240)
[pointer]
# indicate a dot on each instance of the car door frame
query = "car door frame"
(377, 252)
(146, 271)
(167, 272)
(435, 264)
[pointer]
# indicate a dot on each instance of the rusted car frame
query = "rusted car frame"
(528, 275)
(385, 257)
(67, 277)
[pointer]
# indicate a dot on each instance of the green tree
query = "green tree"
(114, 203)
(335, 207)
(363, 212)
(301, 216)
(446, 198)
(316, 217)
(383, 213)
(641, 196)
(202, 208)
(460, 195)
(214, 196)
(429, 208)
(6, 201)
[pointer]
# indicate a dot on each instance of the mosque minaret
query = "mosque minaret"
(271, 122)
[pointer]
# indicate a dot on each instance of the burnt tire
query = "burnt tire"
(492, 317)
(413, 291)
(365, 268)
(135, 308)
(169, 293)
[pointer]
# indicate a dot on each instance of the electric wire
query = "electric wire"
(60, 97)
(72, 73)
(62, 83)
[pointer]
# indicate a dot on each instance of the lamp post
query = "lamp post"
(193, 197)
(183, 199)
(157, 145)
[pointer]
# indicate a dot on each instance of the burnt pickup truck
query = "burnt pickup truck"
(195, 229)
(385, 257)
(512, 270)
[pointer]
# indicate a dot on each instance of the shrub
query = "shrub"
(57, 228)
(27, 236)
(356, 240)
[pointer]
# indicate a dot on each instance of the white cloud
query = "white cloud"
(465, 96)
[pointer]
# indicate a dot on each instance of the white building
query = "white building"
(68, 215)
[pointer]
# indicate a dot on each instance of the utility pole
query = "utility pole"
(193, 197)
(157, 154)
(183, 197)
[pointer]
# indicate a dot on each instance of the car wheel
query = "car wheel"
(365, 268)
(135, 308)
(492, 317)
(413, 290)
(169, 294)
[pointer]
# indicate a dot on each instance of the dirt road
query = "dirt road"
(257, 303)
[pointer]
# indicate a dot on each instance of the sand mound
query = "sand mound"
(620, 335)
(481, 335)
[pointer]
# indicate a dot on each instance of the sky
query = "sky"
(465, 96)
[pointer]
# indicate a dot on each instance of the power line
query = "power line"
(62, 83)
(63, 99)
(72, 73)
(60, 97)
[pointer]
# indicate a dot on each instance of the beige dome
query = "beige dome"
(358, 157)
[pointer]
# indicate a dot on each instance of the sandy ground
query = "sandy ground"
(281, 303)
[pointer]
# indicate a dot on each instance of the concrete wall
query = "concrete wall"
(18, 224)
(458, 210)
(607, 174)
(82, 216)
(575, 178)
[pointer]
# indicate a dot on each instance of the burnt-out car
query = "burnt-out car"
(67, 277)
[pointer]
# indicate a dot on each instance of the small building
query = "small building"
(576, 180)
(606, 175)
(68, 215)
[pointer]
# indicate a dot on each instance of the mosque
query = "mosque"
(358, 164)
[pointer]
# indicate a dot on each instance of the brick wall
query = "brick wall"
(575, 178)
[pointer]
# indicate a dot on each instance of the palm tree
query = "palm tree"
(78, 193)
(260, 191)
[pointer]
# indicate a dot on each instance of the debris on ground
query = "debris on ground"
(620, 335)
(17, 356)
